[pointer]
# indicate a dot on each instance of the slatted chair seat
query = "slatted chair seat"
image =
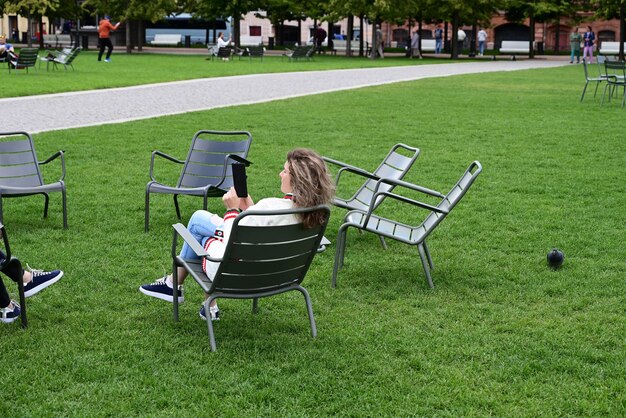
(206, 171)
(20, 173)
(258, 261)
(400, 231)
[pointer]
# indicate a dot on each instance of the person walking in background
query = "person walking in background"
(438, 39)
(574, 42)
(460, 38)
(482, 38)
(589, 39)
(415, 45)
(104, 37)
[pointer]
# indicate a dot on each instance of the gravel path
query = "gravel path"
(70, 110)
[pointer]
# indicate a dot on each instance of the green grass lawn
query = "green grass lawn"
(501, 334)
(133, 69)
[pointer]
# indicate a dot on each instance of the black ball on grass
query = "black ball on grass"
(555, 258)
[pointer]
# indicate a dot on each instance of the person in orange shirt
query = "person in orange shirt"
(104, 32)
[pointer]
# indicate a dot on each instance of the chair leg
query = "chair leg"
(382, 241)
(420, 248)
(23, 318)
(603, 94)
(309, 308)
(175, 290)
(64, 199)
(177, 207)
(596, 90)
(584, 90)
(147, 211)
(339, 252)
(209, 323)
(1, 212)
(430, 260)
(255, 305)
(45, 205)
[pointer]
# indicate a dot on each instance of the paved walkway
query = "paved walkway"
(70, 110)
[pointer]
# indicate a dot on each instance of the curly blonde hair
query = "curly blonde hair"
(311, 183)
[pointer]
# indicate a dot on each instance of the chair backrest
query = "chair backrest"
(224, 52)
(256, 51)
(27, 57)
(207, 161)
(69, 58)
(268, 258)
(18, 161)
(451, 199)
(615, 69)
(395, 166)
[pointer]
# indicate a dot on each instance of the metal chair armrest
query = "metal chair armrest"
(54, 156)
(408, 185)
(183, 232)
(404, 199)
(164, 155)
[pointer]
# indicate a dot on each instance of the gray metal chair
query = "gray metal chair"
(206, 171)
(258, 261)
(20, 173)
(616, 78)
(395, 165)
(589, 79)
(12, 267)
(412, 235)
(65, 60)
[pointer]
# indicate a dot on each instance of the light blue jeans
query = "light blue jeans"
(202, 226)
(481, 47)
(438, 43)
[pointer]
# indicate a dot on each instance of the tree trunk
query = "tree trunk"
(331, 36)
(40, 24)
(531, 40)
(622, 29)
(29, 31)
(349, 36)
(445, 37)
(140, 33)
(473, 40)
(557, 34)
(129, 42)
(419, 31)
(455, 29)
(299, 40)
(361, 22)
(375, 40)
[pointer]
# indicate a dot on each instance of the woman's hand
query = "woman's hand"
(232, 201)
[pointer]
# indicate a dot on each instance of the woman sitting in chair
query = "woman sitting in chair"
(305, 182)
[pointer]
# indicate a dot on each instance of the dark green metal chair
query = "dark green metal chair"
(367, 220)
(258, 261)
(25, 60)
(20, 173)
(206, 171)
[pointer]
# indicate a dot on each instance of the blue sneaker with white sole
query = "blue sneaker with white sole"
(41, 280)
(10, 314)
(214, 311)
(163, 290)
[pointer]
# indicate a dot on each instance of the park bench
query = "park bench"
(305, 52)
(168, 39)
(50, 41)
(514, 48)
(428, 45)
(610, 48)
(64, 41)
